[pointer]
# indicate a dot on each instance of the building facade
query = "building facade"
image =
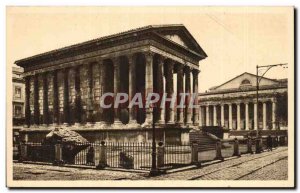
(233, 105)
(64, 86)
(18, 97)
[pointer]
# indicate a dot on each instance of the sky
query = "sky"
(236, 39)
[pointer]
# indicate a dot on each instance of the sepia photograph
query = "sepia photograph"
(150, 97)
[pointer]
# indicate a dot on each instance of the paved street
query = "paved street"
(265, 166)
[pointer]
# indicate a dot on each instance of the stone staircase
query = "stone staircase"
(205, 141)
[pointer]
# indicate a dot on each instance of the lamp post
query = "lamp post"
(154, 171)
(258, 147)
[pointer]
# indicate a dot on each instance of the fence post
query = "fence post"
(194, 153)
(285, 140)
(58, 154)
(102, 156)
(97, 155)
(160, 155)
(219, 151)
(249, 145)
(23, 152)
(274, 139)
(236, 151)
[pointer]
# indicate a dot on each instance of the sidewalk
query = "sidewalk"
(264, 166)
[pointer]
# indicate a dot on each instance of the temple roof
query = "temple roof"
(246, 82)
(183, 39)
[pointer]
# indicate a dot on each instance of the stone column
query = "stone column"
(149, 85)
(45, 99)
(188, 98)
(273, 114)
(90, 101)
(132, 87)
(180, 119)
(238, 107)
(207, 116)
(195, 91)
(230, 115)
(101, 90)
(215, 116)
(264, 115)
(66, 97)
(163, 110)
(160, 87)
(222, 115)
(55, 99)
(27, 101)
(78, 107)
(247, 116)
(200, 116)
(36, 101)
(170, 91)
(255, 115)
(117, 85)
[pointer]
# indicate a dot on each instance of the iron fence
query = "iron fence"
(129, 155)
(138, 156)
(177, 155)
(40, 153)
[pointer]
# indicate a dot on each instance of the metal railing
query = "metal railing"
(137, 156)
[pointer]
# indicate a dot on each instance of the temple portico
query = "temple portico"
(233, 105)
(239, 115)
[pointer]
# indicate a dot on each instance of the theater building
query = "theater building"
(233, 105)
(63, 87)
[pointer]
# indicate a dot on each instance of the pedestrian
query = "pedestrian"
(269, 143)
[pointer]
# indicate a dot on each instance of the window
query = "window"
(246, 81)
(18, 111)
(245, 84)
(18, 92)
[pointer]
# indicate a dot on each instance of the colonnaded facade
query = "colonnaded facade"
(64, 86)
(233, 105)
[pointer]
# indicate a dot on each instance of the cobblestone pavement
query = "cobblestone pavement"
(265, 166)
(246, 167)
(47, 172)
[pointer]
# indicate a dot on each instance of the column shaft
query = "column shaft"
(66, 97)
(180, 119)
(160, 88)
(170, 91)
(149, 85)
(200, 116)
(55, 99)
(247, 116)
(238, 107)
(195, 91)
(163, 110)
(215, 116)
(78, 106)
(90, 101)
(207, 116)
(264, 115)
(117, 85)
(273, 115)
(230, 115)
(45, 100)
(222, 116)
(188, 98)
(255, 115)
(132, 87)
(36, 101)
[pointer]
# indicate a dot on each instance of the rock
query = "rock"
(65, 135)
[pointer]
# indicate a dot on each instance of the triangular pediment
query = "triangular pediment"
(245, 80)
(179, 35)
